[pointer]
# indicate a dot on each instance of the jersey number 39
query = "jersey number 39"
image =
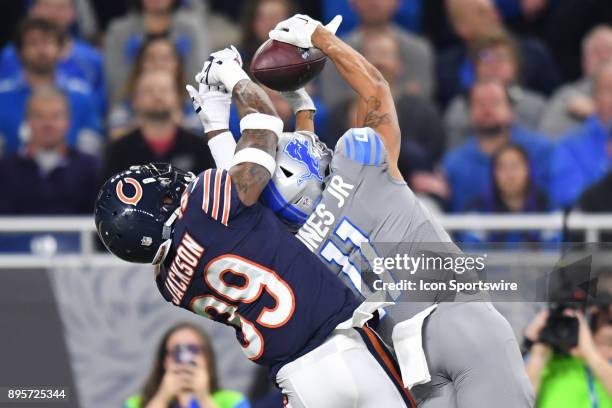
(255, 278)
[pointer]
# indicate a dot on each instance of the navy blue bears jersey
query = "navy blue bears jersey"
(239, 265)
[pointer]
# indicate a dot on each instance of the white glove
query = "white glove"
(299, 100)
(298, 30)
(212, 104)
(222, 68)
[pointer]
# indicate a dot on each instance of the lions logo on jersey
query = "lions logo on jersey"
(299, 150)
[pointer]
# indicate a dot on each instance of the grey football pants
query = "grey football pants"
(473, 358)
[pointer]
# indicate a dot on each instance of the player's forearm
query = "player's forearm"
(376, 108)
(251, 178)
(360, 74)
(251, 98)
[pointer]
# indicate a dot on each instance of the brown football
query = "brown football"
(285, 67)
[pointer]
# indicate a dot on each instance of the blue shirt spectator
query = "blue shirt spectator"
(468, 166)
(79, 59)
(512, 191)
(580, 159)
(47, 176)
(85, 123)
(82, 62)
(39, 46)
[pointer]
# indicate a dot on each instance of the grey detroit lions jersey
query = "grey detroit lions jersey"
(365, 213)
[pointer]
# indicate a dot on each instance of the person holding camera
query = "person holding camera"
(579, 375)
(184, 374)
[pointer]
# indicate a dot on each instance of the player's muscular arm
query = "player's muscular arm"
(376, 107)
(250, 178)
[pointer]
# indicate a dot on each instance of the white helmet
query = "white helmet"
(302, 163)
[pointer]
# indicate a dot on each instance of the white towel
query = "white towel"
(408, 344)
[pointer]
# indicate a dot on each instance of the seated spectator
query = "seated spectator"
(184, 374)
(376, 16)
(152, 17)
(471, 19)
(156, 53)
(468, 167)
(48, 176)
(512, 191)
(422, 134)
(78, 58)
(582, 157)
(157, 137)
(573, 103)
(495, 57)
(259, 17)
(39, 46)
(580, 377)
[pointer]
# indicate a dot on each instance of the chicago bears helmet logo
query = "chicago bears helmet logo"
(135, 198)
(299, 151)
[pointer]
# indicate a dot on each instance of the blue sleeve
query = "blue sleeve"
(86, 113)
(542, 153)
(566, 183)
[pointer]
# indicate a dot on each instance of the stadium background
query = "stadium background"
(73, 316)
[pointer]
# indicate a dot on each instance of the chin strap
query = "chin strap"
(164, 248)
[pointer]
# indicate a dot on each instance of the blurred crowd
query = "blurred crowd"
(505, 106)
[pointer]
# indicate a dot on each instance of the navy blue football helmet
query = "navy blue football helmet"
(136, 208)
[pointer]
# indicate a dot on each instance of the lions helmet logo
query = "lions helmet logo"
(131, 200)
(299, 151)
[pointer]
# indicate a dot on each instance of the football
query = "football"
(285, 67)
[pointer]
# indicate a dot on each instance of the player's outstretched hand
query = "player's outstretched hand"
(212, 104)
(222, 68)
(298, 30)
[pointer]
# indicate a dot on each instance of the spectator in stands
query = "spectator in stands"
(259, 17)
(156, 53)
(39, 46)
(376, 16)
(495, 57)
(582, 157)
(512, 191)
(468, 167)
(48, 176)
(584, 377)
(471, 19)
(152, 17)
(422, 133)
(78, 59)
(573, 103)
(157, 138)
(184, 374)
